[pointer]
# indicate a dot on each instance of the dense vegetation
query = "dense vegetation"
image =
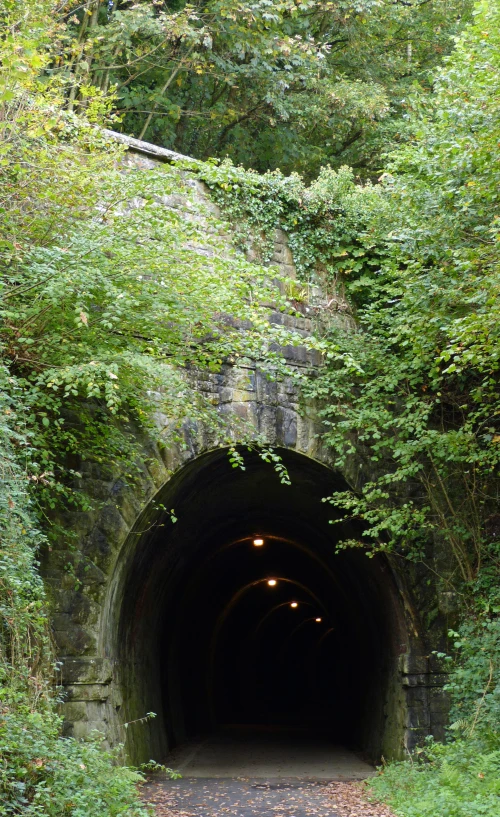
(410, 395)
(100, 292)
(271, 83)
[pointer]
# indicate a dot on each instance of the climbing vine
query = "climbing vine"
(328, 222)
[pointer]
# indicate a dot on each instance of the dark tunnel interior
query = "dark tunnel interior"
(220, 629)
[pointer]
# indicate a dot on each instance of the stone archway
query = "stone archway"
(193, 629)
(187, 625)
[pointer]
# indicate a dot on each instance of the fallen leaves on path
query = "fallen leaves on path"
(350, 800)
(217, 799)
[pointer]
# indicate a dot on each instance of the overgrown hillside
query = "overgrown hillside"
(100, 296)
(294, 84)
(101, 293)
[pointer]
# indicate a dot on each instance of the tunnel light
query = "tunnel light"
(258, 542)
(318, 619)
(272, 582)
(294, 604)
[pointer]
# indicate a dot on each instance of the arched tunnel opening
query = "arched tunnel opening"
(241, 614)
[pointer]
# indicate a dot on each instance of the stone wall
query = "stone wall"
(83, 575)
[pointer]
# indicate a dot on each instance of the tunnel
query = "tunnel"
(242, 615)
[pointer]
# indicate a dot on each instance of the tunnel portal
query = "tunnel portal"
(178, 619)
(242, 614)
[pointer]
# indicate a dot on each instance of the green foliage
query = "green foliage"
(410, 395)
(45, 775)
(105, 285)
(414, 393)
(426, 398)
(460, 778)
(475, 681)
(325, 221)
(124, 300)
(456, 780)
(23, 627)
(410, 398)
(93, 307)
(294, 84)
(41, 773)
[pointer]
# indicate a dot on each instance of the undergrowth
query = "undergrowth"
(42, 773)
(460, 778)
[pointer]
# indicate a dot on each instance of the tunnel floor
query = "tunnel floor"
(263, 773)
(267, 754)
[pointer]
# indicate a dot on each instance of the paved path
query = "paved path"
(268, 754)
(257, 774)
(199, 797)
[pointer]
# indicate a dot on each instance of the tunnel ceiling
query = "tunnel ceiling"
(217, 644)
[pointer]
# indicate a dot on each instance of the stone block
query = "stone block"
(244, 380)
(128, 505)
(437, 679)
(411, 664)
(241, 396)
(157, 471)
(88, 574)
(97, 713)
(97, 549)
(414, 738)
(439, 706)
(98, 489)
(74, 640)
(87, 692)
(113, 525)
(76, 711)
(415, 680)
(266, 422)
(241, 410)
(315, 358)
(90, 670)
(418, 718)
(225, 395)
(417, 697)
(82, 729)
(266, 390)
(80, 523)
(286, 427)
(296, 354)
(288, 270)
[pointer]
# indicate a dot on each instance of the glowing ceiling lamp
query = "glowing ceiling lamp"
(272, 582)
(294, 604)
(318, 619)
(258, 542)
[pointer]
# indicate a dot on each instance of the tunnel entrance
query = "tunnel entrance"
(241, 615)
